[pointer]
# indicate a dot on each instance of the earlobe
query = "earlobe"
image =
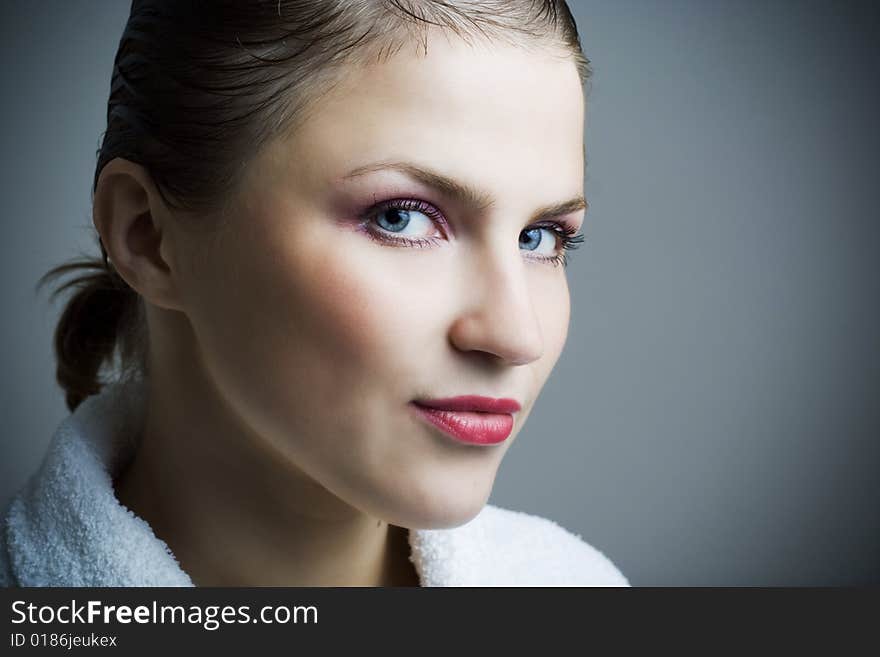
(128, 214)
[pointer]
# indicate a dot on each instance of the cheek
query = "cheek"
(369, 308)
(553, 307)
(335, 312)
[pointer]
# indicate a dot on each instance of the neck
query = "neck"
(233, 512)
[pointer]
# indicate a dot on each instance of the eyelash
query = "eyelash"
(569, 237)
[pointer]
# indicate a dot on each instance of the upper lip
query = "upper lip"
(472, 403)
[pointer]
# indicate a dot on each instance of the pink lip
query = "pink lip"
(470, 419)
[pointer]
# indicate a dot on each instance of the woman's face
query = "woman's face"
(320, 325)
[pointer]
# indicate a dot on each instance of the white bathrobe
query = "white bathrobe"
(67, 528)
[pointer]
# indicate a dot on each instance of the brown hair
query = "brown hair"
(199, 88)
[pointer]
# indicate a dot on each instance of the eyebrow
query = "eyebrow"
(463, 192)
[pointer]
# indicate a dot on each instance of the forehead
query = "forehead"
(484, 112)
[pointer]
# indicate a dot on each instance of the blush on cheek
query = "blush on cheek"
(336, 302)
(351, 303)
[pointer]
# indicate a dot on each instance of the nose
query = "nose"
(499, 317)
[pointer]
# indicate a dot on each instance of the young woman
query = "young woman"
(332, 288)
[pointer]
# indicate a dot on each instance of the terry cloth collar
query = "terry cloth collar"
(67, 528)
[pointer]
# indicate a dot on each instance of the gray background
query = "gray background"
(713, 418)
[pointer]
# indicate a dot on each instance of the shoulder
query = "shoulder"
(502, 547)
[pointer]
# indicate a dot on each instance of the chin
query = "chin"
(440, 510)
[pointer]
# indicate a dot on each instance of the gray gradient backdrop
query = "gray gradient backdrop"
(713, 419)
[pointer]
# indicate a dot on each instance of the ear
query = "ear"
(133, 222)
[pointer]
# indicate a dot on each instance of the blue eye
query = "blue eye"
(531, 239)
(389, 221)
(397, 220)
(562, 238)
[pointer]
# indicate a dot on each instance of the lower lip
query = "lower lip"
(469, 427)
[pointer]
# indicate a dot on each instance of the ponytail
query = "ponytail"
(103, 318)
